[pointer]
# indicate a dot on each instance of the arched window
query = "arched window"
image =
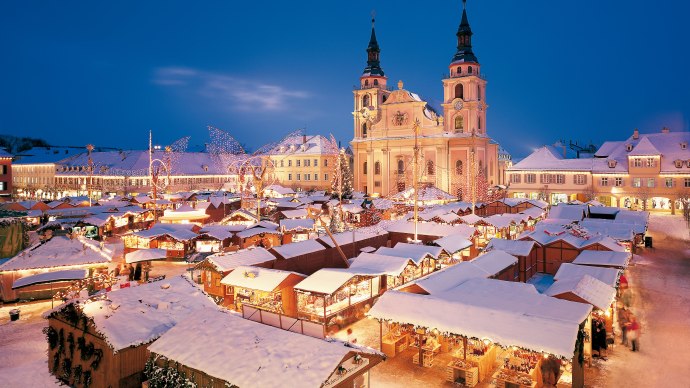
(366, 82)
(458, 167)
(481, 169)
(459, 70)
(365, 101)
(364, 168)
(459, 123)
(401, 166)
(479, 123)
(469, 69)
(459, 91)
(479, 92)
(364, 129)
(430, 169)
(376, 82)
(377, 168)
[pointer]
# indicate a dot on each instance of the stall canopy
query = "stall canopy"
(453, 243)
(603, 259)
(376, 264)
(145, 255)
(51, 277)
(227, 261)
(326, 280)
(542, 328)
(514, 247)
(495, 261)
(450, 277)
(607, 275)
(587, 288)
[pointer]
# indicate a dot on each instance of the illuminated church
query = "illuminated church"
(454, 144)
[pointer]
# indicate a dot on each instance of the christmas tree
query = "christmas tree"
(337, 225)
(342, 177)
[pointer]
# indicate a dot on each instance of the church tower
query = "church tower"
(372, 90)
(464, 91)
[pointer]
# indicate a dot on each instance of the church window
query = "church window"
(364, 168)
(479, 92)
(401, 166)
(430, 168)
(459, 123)
(364, 130)
(366, 82)
(459, 70)
(377, 168)
(459, 91)
(376, 82)
(479, 123)
(469, 69)
(365, 101)
(458, 167)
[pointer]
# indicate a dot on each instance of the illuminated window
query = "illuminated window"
(459, 91)
(459, 123)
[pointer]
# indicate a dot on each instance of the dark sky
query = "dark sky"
(98, 72)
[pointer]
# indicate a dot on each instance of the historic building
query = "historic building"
(5, 175)
(646, 171)
(304, 162)
(453, 144)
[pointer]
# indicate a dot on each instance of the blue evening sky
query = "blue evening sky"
(77, 72)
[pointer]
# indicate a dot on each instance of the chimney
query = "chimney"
(304, 139)
(636, 134)
(665, 130)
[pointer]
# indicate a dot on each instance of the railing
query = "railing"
(463, 75)
(362, 87)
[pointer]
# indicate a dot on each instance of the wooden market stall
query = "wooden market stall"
(525, 251)
(176, 239)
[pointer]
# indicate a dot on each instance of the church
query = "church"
(453, 145)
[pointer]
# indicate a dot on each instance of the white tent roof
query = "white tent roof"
(326, 280)
(50, 277)
(607, 275)
(380, 264)
(453, 243)
(494, 261)
(228, 261)
(514, 247)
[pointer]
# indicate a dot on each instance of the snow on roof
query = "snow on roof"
(256, 230)
(533, 212)
(280, 189)
(548, 158)
(644, 148)
(145, 255)
(590, 289)
(539, 332)
(500, 220)
(299, 248)
(453, 243)
(224, 262)
(539, 203)
(349, 237)
(376, 264)
(513, 247)
(413, 251)
(607, 275)
(603, 259)
(432, 229)
(494, 261)
(219, 232)
(297, 224)
(299, 213)
(568, 212)
(60, 251)
(449, 217)
(138, 315)
(427, 193)
(49, 277)
(257, 278)
(326, 280)
(450, 277)
(616, 230)
(180, 232)
(251, 354)
(638, 218)
(471, 219)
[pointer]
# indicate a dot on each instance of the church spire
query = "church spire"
(464, 34)
(373, 51)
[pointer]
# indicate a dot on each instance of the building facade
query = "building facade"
(453, 142)
(646, 171)
(304, 163)
(5, 175)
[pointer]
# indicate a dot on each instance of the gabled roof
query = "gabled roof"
(548, 158)
(590, 289)
(644, 148)
(513, 247)
(60, 251)
(257, 278)
(224, 262)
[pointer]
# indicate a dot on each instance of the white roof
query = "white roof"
(227, 261)
(534, 212)
(590, 289)
(453, 243)
(257, 278)
(145, 255)
(617, 230)
(180, 232)
(471, 219)
(219, 232)
(607, 275)
(538, 330)
(603, 259)
(449, 217)
(427, 193)
(348, 238)
(513, 247)
(49, 277)
(375, 264)
(138, 315)
(501, 220)
(299, 213)
(256, 230)
(326, 280)
(568, 212)
(297, 224)
(450, 277)
(549, 158)
(494, 261)
(60, 251)
(299, 248)
(250, 354)
(432, 229)
(417, 255)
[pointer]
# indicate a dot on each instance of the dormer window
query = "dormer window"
(205, 167)
(303, 147)
(684, 145)
(628, 147)
(678, 163)
(612, 163)
(282, 148)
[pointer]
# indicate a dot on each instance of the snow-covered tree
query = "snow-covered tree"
(337, 225)
(342, 177)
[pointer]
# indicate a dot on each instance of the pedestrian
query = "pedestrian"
(626, 298)
(634, 333)
(624, 322)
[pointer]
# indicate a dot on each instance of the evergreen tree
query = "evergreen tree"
(342, 177)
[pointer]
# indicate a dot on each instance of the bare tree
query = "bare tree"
(644, 194)
(683, 196)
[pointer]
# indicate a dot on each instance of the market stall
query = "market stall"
(264, 289)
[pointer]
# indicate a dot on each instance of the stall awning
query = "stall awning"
(51, 277)
(145, 255)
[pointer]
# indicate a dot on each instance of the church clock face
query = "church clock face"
(457, 105)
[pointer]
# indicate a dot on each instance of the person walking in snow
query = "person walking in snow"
(626, 298)
(634, 333)
(624, 322)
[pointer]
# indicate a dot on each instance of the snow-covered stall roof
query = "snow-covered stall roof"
(432, 229)
(291, 250)
(603, 259)
(257, 278)
(590, 289)
(500, 220)
(219, 232)
(376, 264)
(297, 224)
(250, 354)
(145, 255)
(227, 261)
(427, 193)
(434, 251)
(617, 230)
(299, 213)
(449, 217)
(539, 332)
(326, 280)
(180, 232)
(452, 243)
(138, 315)
(568, 212)
(533, 212)
(254, 231)
(50, 277)
(494, 261)
(417, 255)
(450, 277)
(471, 219)
(607, 275)
(349, 237)
(60, 251)
(513, 247)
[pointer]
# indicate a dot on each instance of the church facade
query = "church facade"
(453, 144)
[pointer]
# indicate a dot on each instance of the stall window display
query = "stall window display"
(355, 291)
(270, 301)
